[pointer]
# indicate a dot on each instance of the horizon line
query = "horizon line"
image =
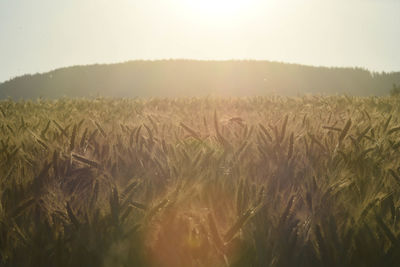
(201, 60)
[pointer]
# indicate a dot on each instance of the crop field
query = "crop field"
(260, 181)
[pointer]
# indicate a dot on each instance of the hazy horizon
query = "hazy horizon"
(43, 36)
(193, 59)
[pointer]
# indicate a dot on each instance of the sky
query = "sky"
(42, 35)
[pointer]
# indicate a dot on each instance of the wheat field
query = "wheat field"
(260, 181)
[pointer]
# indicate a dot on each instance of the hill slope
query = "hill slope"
(196, 78)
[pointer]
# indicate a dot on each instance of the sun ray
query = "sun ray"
(221, 9)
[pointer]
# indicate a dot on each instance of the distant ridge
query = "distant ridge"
(172, 78)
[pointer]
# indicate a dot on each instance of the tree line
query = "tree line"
(173, 78)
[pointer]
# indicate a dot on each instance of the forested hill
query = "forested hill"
(198, 78)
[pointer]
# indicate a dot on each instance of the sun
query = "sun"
(217, 8)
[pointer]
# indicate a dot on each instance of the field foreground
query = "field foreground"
(310, 181)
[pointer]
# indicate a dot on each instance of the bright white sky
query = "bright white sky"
(41, 35)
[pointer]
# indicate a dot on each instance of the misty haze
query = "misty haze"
(200, 133)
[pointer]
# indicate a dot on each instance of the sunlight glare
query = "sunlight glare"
(218, 8)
